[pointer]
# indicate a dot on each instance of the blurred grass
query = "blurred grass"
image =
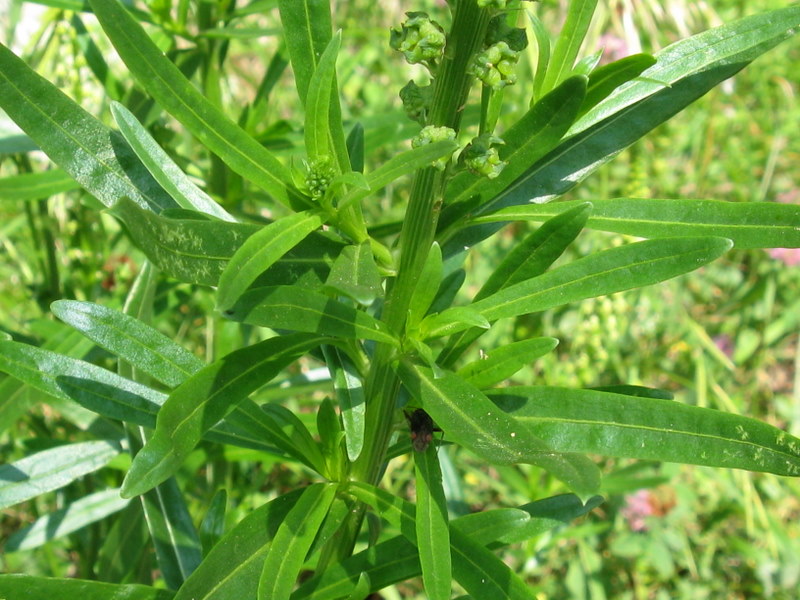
(726, 337)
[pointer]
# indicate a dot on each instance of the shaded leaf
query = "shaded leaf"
(32, 587)
(33, 186)
(354, 274)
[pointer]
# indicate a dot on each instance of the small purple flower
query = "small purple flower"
(637, 507)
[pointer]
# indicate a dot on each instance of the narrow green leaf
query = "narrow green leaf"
(142, 346)
(604, 80)
(163, 168)
(287, 307)
(124, 547)
(470, 419)
(622, 268)
(397, 559)
(543, 46)
(52, 469)
(33, 186)
(426, 288)
(354, 274)
(483, 574)
(78, 514)
(475, 568)
(530, 258)
(723, 50)
(307, 31)
(503, 361)
(649, 428)
(262, 250)
(95, 59)
(452, 321)
(747, 224)
(292, 541)
(189, 250)
(400, 165)
(294, 430)
(94, 155)
(355, 147)
(318, 126)
(213, 525)
(172, 532)
(433, 532)
(199, 402)
(350, 395)
(331, 435)
(32, 587)
(579, 16)
(233, 567)
(168, 86)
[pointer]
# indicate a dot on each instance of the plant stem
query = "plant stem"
(451, 89)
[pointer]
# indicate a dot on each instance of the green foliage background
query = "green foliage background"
(725, 338)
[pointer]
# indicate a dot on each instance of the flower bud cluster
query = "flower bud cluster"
(431, 134)
(495, 66)
(481, 156)
(420, 39)
(416, 101)
(319, 175)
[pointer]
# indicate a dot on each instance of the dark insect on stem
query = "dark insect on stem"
(422, 428)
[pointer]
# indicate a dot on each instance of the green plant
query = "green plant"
(373, 300)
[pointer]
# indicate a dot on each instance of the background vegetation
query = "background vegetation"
(725, 338)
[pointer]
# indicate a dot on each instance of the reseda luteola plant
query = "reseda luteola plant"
(376, 305)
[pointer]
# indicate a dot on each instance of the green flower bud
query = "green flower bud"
(431, 134)
(319, 175)
(420, 39)
(416, 101)
(495, 66)
(481, 156)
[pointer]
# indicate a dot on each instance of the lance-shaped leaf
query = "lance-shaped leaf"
(289, 307)
(33, 186)
(649, 428)
(307, 30)
(579, 16)
(318, 125)
(74, 516)
(432, 525)
(172, 532)
(292, 541)
(469, 418)
(32, 587)
(400, 165)
(52, 469)
(94, 155)
(502, 362)
(213, 525)
(144, 347)
(168, 86)
(530, 258)
(261, 251)
(350, 395)
(93, 387)
(198, 403)
(604, 80)
(734, 45)
(233, 567)
(684, 72)
(190, 250)
(163, 168)
(474, 567)
(747, 224)
(354, 274)
(397, 559)
(622, 268)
